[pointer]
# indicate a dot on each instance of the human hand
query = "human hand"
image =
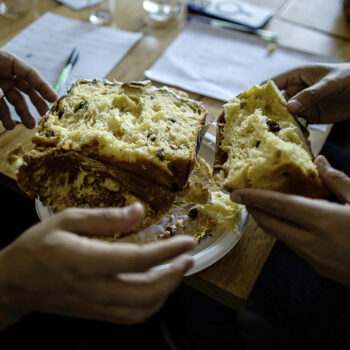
(50, 268)
(320, 93)
(16, 76)
(317, 230)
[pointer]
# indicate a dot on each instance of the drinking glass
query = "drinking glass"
(16, 8)
(99, 13)
(162, 10)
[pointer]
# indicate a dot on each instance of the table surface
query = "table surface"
(315, 26)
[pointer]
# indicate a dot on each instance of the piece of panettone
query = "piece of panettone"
(71, 179)
(260, 144)
(148, 131)
(194, 214)
(109, 144)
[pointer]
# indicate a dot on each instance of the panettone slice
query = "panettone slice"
(148, 131)
(260, 144)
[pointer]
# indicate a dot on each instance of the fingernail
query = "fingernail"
(134, 208)
(187, 242)
(191, 243)
(235, 197)
(294, 106)
(9, 125)
(183, 263)
(322, 161)
(30, 122)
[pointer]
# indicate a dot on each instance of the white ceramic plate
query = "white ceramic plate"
(209, 250)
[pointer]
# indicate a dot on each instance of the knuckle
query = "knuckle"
(310, 95)
(137, 259)
(274, 205)
(74, 266)
(110, 217)
(330, 83)
(336, 175)
(322, 222)
(66, 216)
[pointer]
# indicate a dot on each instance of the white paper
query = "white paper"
(47, 43)
(79, 4)
(319, 127)
(221, 63)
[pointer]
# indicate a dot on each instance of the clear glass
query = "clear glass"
(162, 10)
(100, 13)
(16, 8)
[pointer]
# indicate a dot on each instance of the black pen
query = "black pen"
(72, 60)
(264, 34)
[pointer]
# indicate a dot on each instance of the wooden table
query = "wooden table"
(315, 26)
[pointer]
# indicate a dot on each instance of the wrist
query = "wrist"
(8, 314)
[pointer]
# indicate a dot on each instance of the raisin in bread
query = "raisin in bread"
(111, 143)
(260, 144)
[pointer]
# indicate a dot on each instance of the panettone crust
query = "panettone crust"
(71, 179)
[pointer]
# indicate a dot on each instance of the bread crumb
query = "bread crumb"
(271, 48)
(179, 223)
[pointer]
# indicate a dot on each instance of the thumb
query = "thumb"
(103, 221)
(334, 179)
(309, 97)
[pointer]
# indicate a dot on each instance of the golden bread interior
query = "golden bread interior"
(150, 131)
(260, 144)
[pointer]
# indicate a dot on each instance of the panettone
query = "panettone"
(201, 210)
(109, 144)
(260, 144)
(148, 131)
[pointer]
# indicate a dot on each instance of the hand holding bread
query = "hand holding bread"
(52, 268)
(317, 230)
(320, 93)
(91, 134)
(109, 144)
